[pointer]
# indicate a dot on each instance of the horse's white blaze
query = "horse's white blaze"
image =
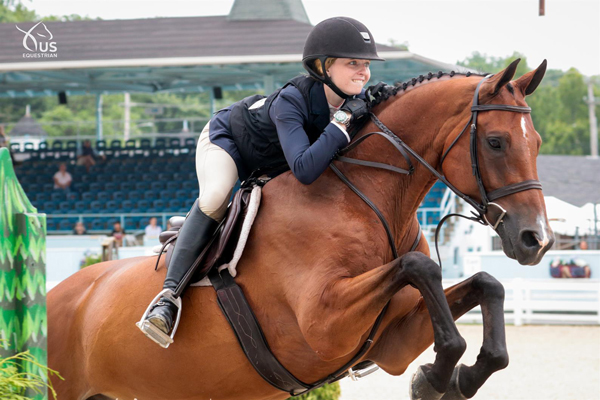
(545, 239)
(523, 127)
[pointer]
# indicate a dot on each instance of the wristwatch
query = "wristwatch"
(342, 117)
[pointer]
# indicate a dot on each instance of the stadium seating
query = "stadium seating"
(137, 177)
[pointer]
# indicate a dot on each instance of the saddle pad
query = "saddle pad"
(231, 266)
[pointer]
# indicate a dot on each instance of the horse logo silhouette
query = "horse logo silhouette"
(44, 44)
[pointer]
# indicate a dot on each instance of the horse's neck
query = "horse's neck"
(423, 119)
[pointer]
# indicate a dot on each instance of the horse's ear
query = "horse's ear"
(499, 80)
(530, 81)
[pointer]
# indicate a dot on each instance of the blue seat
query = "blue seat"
(194, 194)
(190, 143)
(71, 145)
(57, 196)
(98, 224)
(180, 176)
(34, 188)
(64, 207)
(118, 196)
(88, 196)
(181, 194)
(65, 225)
(126, 206)
(160, 143)
(143, 205)
(189, 185)
(143, 222)
(42, 197)
(100, 145)
(173, 186)
(130, 144)
(96, 206)
(148, 178)
(158, 204)
(135, 195)
(166, 195)
(145, 144)
(72, 196)
(126, 186)
(149, 195)
(174, 205)
(164, 176)
(57, 145)
(110, 186)
(28, 147)
(81, 187)
(157, 186)
(174, 143)
(96, 186)
(115, 145)
(103, 196)
(80, 206)
(134, 178)
(112, 206)
(50, 207)
(50, 224)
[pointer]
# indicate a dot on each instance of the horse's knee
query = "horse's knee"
(417, 265)
(488, 286)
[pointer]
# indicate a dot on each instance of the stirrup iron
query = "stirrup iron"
(152, 331)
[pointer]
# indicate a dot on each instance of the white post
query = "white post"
(127, 112)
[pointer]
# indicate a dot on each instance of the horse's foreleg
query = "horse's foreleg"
(481, 289)
(421, 272)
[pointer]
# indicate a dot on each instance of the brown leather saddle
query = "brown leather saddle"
(220, 248)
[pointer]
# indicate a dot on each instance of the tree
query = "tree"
(15, 11)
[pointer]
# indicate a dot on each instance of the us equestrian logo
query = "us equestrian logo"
(38, 42)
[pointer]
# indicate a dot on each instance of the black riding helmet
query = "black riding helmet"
(338, 37)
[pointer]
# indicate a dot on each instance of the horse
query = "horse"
(318, 268)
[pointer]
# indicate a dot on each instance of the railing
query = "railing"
(447, 206)
(163, 217)
(546, 301)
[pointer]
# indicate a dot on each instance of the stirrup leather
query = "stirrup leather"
(152, 331)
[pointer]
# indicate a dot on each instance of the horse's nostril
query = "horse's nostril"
(530, 239)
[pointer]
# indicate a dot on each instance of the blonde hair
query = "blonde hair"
(319, 67)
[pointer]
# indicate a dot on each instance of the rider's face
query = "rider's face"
(350, 74)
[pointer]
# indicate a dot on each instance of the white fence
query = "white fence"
(546, 301)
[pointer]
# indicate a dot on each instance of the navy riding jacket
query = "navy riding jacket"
(291, 125)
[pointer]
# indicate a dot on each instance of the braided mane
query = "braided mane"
(391, 91)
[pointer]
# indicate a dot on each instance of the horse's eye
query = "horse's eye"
(495, 143)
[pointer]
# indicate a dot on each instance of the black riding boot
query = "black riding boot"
(193, 237)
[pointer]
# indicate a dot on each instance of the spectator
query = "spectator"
(79, 229)
(153, 230)
(62, 179)
(118, 233)
(88, 156)
(583, 245)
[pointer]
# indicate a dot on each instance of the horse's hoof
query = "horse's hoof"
(453, 392)
(421, 389)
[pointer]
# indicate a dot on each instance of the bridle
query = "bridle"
(487, 200)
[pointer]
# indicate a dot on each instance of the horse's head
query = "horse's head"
(507, 147)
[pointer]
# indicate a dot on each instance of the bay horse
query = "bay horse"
(318, 269)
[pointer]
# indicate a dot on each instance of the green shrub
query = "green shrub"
(327, 392)
(14, 383)
(90, 259)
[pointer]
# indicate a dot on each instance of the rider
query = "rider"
(304, 123)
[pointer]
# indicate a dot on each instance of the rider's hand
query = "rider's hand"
(357, 108)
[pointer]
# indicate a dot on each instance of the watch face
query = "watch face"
(340, 117)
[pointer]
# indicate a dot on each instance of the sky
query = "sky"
(444, 30)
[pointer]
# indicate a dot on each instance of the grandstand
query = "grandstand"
(139, 179)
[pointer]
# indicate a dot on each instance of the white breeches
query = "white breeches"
(217, 175)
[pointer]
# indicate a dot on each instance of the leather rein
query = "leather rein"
(487, 198)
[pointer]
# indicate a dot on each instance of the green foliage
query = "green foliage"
(15, 11)
(14, 383)
(327, 392)
(90, 259)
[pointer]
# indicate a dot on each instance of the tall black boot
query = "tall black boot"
(193, 236)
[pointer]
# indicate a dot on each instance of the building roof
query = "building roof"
(574, 179)
(268, 9)
(259, 44)
(27, 127)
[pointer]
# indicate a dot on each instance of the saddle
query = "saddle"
(221, 246)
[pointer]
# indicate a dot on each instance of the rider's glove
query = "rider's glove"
(357, 108)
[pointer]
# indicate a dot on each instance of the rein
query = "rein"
(487, 198)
